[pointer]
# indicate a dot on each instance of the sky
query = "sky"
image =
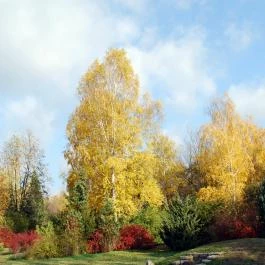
(185, 52)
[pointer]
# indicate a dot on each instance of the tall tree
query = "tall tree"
(21, 159)
(25, 172)
(193, 175)
(4, 196)
(169, 168)
(56, 204)
(108, 132)
(11, 164)
(231, 153)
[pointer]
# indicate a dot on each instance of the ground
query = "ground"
(236, 252)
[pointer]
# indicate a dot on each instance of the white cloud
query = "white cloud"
(249, 100)
(28, 113)
(53, 39)
(176, 68)
(46, 46)
(240, 37)
(57, 40)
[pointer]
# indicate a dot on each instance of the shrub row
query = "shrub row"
(130, 237)
(17, 242)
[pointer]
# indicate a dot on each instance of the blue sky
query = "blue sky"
(186, 52)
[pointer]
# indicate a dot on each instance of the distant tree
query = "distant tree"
(169, 168)
(231, 153)
(4, 196)
(57, 203)
(193, 175)
(22, 164)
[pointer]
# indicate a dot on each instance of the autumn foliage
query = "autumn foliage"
(124, 170)
(130, 237)
(232, 228)
(95, 242)
(134, 237)
(17, 242)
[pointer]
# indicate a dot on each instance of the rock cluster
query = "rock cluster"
(194, 259)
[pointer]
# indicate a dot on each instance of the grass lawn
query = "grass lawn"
(115, 257)
(236, 252)
(248, 251)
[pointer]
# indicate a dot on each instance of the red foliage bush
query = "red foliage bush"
(134, 237)
(95, 242)
(131, 237)
(230, 228)
(17, 242)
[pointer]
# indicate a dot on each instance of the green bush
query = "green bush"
(47, 245)
(186, 223)
(151, 218)
(17, 221)
(72, 240)
(109, 226)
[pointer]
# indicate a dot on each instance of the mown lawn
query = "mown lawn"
(236, 252)
(248, 251)
(111, 258)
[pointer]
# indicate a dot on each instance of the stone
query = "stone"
(186, 262)
(177, 262)
(149, 262)
(189, 257)
(206, 260)
(216, 253)
(213, 256)
(197, 255)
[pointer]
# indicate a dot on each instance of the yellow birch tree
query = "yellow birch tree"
(107, 134)
(231, 153)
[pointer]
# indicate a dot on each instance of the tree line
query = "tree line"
(125, 170)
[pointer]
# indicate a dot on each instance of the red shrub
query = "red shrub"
(95, 242)
(229, 228)
(17, 242)
(243, 230)
(6, 236)
(134, 237)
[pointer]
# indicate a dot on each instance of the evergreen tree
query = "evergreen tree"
(33, 203)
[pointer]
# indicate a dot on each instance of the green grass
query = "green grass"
(236, 252)
(111, 258)
(248, 251)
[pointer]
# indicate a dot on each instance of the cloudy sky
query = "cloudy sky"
(185, 52)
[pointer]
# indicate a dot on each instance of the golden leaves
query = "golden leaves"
(231, 153)
(107, 135)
